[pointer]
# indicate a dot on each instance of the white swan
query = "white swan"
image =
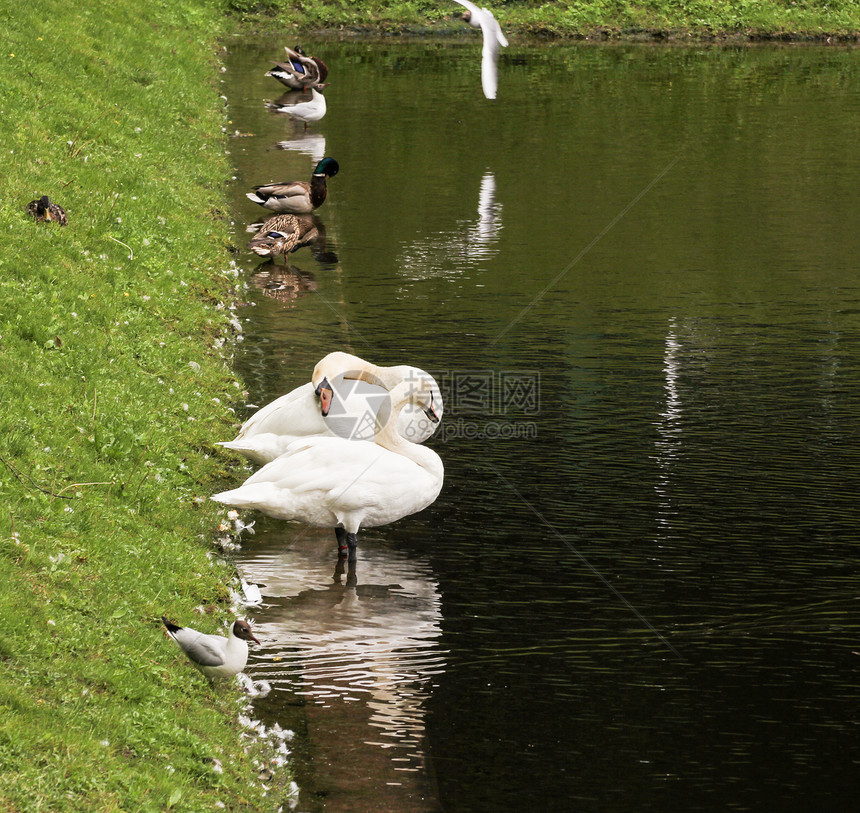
(331, 482)
(493, 37)
(332, 403)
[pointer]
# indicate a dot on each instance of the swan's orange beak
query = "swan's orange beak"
(431, 412)
(326, 394)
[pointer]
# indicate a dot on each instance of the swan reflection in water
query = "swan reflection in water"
(367, 650)
(470, 242)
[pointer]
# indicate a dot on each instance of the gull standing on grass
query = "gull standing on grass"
(214, 655)
(493, 37)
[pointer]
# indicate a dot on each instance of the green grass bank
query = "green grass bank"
(592, 19)
(114, 388)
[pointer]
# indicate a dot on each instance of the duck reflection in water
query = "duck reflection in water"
(283, 284)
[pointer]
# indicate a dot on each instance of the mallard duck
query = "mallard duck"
(493, 37)
(283, 234)
(214, 655)
(44, 211)
(313, 110)
(332, 482)
(296, 197)
(300, 72)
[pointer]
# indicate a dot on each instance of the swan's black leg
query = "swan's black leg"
(341, 566)
(351, 578)
(342, 543)
(346, 543)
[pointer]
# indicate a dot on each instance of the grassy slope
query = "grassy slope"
(112, 393)
(579, 18)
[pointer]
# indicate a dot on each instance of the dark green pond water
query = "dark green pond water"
(636, 276)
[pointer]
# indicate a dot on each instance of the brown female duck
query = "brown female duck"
(283, 234)
(44, 211)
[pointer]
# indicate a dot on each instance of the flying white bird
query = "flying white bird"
(493, 38)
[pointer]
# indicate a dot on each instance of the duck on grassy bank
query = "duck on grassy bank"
(44, 211)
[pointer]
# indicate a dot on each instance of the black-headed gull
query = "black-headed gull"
(493, 37)
(214, 655)
(313, 110)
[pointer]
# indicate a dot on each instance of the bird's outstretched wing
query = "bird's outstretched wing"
(493, 38)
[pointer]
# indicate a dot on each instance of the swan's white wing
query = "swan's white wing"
(326, 481)
(296, 413)
(261, 448)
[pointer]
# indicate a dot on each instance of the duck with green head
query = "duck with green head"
(296, 197)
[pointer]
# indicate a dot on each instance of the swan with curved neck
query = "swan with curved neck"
(346, 484)
(303, 412)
